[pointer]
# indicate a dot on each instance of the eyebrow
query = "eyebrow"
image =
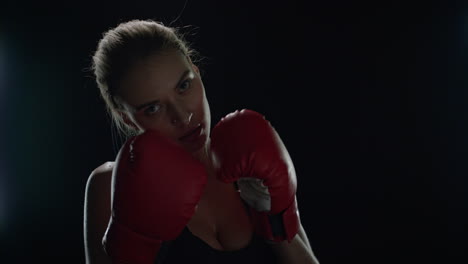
(184, 74)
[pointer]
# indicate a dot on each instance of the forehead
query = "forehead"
(152, 76)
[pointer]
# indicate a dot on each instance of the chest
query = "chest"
(221, 219)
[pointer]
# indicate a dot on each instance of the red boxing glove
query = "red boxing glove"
(156, 186)
(247, 149)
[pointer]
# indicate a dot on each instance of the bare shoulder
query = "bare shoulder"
(104, 169)
(99, 184)
(101, 175)
(97, 210)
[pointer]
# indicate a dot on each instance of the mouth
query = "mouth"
(193, 134)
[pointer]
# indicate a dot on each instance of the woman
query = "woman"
(182, 204)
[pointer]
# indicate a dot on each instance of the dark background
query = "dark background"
(369, 98)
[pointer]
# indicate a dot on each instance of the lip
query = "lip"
(192, 134)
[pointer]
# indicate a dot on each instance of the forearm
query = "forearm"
(296, 252)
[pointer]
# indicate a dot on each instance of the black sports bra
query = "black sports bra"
(188, 248)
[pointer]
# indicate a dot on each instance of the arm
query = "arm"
(96, 214)
(298, 251)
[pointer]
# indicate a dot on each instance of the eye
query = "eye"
(185, 85)
(152, 109)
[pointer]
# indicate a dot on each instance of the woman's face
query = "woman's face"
(164, 92)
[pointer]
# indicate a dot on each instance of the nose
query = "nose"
(180, 116)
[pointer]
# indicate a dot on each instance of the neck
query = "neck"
(204, 156)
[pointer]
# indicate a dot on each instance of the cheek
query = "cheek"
(203, 111)
(206, 109)
(146, 123)
(196, 100)
(202, 107)
(156, 122)
(159, 124)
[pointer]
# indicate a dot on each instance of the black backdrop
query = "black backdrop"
(369, 98)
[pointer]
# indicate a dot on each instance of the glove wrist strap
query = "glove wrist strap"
(277, 227)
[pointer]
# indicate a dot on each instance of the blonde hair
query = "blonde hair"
(121, 47)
